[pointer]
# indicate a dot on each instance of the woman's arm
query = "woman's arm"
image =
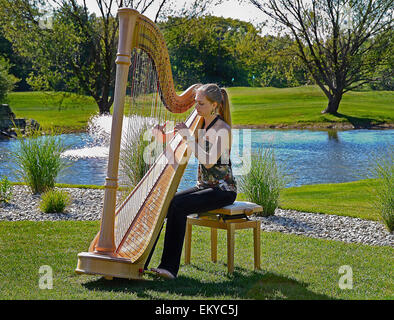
(220, 145)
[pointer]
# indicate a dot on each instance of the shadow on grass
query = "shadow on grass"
(242, 284)
(360, 123)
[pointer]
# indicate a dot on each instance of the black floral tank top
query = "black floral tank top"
(220, 174)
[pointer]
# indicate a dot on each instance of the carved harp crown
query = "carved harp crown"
(129, 230)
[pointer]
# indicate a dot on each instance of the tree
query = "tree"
(20, 67)
(269, 60)
(7, 80)
(385, 79)
(229, 52)
(77, 52)
(207, 49)
(341, 42)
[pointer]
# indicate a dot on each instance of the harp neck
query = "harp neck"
(137, 31)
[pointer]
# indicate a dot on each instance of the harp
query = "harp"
(129, 228)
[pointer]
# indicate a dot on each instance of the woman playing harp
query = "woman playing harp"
(130, 227)
(216, 186)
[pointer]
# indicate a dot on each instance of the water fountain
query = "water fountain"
(98, 135)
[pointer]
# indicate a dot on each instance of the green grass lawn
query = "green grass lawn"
(303, 105)
(250, 106)
(353, 199)
(72, 116)
(293, 267)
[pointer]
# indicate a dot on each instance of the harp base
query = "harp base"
(107, 266)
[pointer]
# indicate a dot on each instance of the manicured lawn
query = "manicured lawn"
(302, 106)
(353, 199)
(293, 267)
(250, 106)
(72, 116)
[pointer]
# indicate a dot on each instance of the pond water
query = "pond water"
(310, 157)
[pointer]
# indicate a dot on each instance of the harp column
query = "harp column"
(127, 21)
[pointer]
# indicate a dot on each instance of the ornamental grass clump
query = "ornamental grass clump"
(54, 201)
(263, 183)
(5, 190)
(133, 159)
(38, 160)
(383, 170)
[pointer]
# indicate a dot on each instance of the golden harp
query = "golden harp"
(128, 230)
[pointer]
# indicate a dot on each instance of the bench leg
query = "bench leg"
(230, 247)
(188, 242)
(214, 244)
(256, 240)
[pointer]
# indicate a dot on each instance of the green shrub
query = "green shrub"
(38, 160)
(5, 190)
(54, 201)
(263, 183)
(383, 170)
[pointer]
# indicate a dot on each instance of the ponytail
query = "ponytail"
(224, 108)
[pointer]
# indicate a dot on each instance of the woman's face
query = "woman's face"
(203, 106)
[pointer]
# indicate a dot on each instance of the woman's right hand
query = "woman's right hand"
(158, 132)
(158, 129)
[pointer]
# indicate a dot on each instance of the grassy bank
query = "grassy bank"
(262, 107)
(353, 199)
(293, 267)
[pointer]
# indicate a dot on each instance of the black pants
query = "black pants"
(186, 202)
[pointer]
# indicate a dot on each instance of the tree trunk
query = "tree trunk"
(333, 103)
(105, 101)
(104, 107)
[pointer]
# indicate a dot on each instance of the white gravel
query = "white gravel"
(328, 226)
(87, 204)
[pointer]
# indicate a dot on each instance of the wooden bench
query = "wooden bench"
(230, 218)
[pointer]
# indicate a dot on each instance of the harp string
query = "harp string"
(137, 123)
(144, 86)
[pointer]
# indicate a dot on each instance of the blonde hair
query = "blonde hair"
(219, 95)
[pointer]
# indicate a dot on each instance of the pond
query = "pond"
(310, 157)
